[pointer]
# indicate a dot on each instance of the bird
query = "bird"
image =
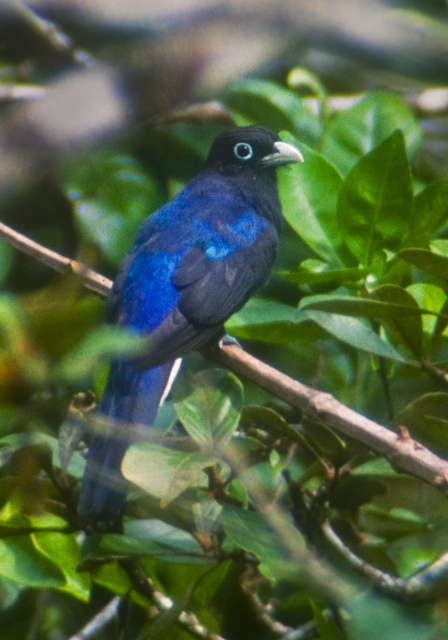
(194, 263)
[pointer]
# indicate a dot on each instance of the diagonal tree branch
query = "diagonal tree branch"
(403, 453)
(91, 279)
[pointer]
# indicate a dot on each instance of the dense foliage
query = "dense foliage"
(230, 522)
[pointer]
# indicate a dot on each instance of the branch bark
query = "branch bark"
(403, 452)
(91, 279)
(102, 619)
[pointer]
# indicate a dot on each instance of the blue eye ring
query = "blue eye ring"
(243, 151)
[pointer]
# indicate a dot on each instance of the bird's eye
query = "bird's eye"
(243, 151)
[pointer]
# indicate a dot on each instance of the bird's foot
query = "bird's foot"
(228, 340)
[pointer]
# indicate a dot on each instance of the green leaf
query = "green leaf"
(209, 406)
(264, 418)
(430, 212)
(312, 272)
(396, 523)
(249, 531)
(326, 627)
(439, 246)
(432, 300)
(376, 202)
(100, 344)
(6, 259)
(116, 579)
(211, 584)
(10, 592)
(259, 311)
(427, 421)
(427, 261)
(154, 538)
(309, 194)
(357, 131)
(365, 307)
(14, 442)
(162, 472)
(376, 467)
(271, 322)
(112, 195)
(20, 563)
(269, 104)
(371, 617)
(414, 559)
(63, 550)
(404, 322)
(354, 332)
(206, 515)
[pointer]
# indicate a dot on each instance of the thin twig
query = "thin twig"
(422, 587)
(21, 92)
(52, 33)
(99, 621)
(37, 615)
(165, 605)
(262, 611)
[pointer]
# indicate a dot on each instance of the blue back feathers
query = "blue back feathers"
(194, 263)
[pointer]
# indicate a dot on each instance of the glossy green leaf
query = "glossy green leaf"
(13, 516)
(376, 202)
(439, 246)
(209, 406)
(162, 472)
(271, 322)
(314, 272)
(355, 332)
(433, 300)
(63, 550)
(357, 131)
(20, 562)
(155, 538)
(414, 559)
(269, 104)
(309, 193)
(376, 467)
(365, 307)
(112, 195)
(259, 311)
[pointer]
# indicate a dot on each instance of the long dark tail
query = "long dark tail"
(132, 397)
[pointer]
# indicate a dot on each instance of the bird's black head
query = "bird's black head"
(251, 148)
